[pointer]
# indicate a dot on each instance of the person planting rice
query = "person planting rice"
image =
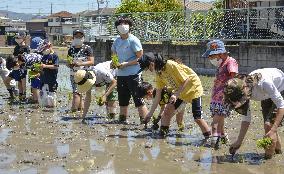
(186, 87)
(4, 72)
(265, 85)
(147, 91)
(98, 75)
(20, 65)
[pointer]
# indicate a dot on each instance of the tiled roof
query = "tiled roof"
(63, 14)
(102, 11)
(197, 5)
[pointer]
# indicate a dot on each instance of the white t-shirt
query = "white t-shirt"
(104, 74)
(2, 64)
(270, 86)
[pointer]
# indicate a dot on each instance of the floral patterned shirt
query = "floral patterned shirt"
(222, 76)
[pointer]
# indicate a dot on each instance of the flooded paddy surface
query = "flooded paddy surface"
(38, 140)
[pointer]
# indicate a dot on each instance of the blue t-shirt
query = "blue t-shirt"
(49, 76)
(126, 50)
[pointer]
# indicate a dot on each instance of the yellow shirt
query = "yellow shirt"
(174, 75)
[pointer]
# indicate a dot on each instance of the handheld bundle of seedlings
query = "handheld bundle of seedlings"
(264, 143)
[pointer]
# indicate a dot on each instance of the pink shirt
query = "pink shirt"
(222, 76)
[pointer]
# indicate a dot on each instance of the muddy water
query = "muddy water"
(37, 140)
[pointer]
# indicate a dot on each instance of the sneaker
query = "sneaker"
(181, 127)
(225, 139)
(164, 130)
(111, 115)
(84, 121)
(155, 126)
(122, 118)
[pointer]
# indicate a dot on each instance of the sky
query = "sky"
(44, 6)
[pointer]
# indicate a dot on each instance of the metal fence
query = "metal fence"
(247, 24)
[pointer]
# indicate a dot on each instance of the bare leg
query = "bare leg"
(123, 113)
(217, 125)
(88, 100)
(35, 94)
(179, 117)
(142, 110)
(76, 101)
(203, 125)
(110, 107)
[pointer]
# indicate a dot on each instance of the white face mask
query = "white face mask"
(46, 52)
(123, 29)
(77, 41)
(216, 62)
(19, 41)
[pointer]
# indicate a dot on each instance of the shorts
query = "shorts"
(219, 109)
(179, 106)
(73, 84)
(52, 87)
(269, 110)
(127, 87)
(18, 75)
(196, 105)
(35, 83)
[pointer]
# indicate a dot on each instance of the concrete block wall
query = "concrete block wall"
(250, 57)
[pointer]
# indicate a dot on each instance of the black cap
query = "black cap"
(145, 60)
(78, 31)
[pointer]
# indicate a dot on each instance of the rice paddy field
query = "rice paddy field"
(50, 141)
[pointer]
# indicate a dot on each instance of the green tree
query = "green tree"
(134, 6)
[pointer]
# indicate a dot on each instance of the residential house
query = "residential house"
(37, 27)
(16, 25)
(61, 25)
(3, 28)
(94, 22)
(194, 5)
(230, 4)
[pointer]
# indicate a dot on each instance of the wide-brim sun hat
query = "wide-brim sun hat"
(84, 80)
(214, 47)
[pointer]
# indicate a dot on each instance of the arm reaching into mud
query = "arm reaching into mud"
(154, 106)
(237, 144)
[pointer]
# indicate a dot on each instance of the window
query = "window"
(57, 30)
(57, 19)
(50, 20)
(74, 20)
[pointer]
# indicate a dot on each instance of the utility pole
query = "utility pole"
(98, 2)
(7, 11)
(51, 8)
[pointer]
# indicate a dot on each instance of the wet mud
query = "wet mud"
(43, 140)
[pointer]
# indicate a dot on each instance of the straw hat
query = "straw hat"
(85, 80)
